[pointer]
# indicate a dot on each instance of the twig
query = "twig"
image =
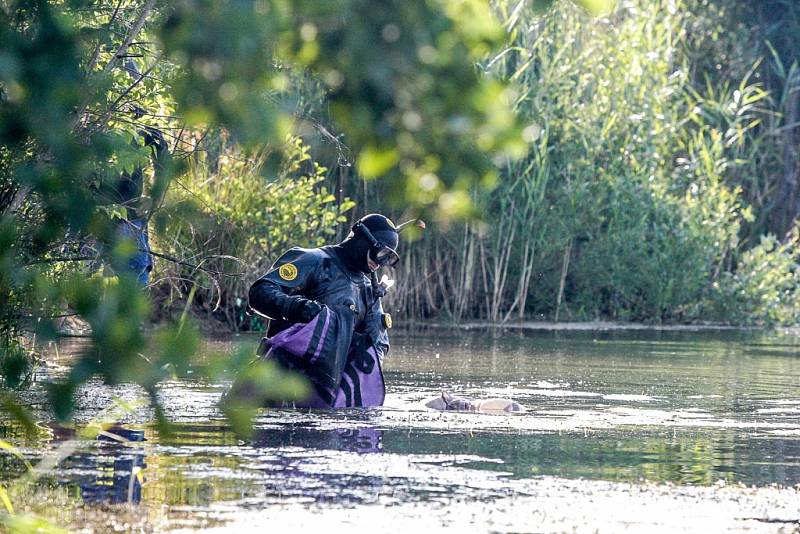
(62, 259)
(113, 107)
(19, 198)
(126, 43)
(134, 31)
(199, 267)
(96, 53)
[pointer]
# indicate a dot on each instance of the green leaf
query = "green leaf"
(12, 406)
(6, 446)
(6, 500)
(258, 383)
(29, 524)
(374, 162)
(598, 7)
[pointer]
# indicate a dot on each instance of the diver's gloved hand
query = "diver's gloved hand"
(360, 341)
(303, 310)
(359, 346)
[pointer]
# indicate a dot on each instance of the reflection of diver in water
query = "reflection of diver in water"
(111, 472)
(362, 439)
(303, 461)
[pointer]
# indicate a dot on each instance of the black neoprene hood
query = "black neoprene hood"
(382, 228)
(353, 250)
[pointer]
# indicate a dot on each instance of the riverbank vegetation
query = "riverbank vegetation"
(660, 185)
(188, 119)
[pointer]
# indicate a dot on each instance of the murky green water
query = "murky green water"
(679, 407)
(604, 410)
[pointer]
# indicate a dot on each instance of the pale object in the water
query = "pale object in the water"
(447, 402)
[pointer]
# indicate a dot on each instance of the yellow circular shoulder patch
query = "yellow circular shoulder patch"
(387, 321)
(287, 271)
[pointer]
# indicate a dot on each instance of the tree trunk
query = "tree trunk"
(789, 180)
(564, 269)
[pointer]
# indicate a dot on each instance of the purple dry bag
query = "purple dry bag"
(342, 376)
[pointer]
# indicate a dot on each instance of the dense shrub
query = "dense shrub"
(765, 287)
(230, 220)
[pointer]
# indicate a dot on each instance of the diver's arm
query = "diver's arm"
(279, 294)
(269, 299)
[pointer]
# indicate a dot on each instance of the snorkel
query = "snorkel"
(419, 223)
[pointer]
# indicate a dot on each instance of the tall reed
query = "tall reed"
(634, 200)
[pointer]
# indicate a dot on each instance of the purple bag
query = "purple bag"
(342, 376)
(362, 381)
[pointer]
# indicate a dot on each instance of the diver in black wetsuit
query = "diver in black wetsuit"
(302, 280)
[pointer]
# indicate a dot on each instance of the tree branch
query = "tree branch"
(131, 35)
(199, 267)
(126, 43)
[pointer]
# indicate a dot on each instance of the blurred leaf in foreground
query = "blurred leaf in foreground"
(258, 383)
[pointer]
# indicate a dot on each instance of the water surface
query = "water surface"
(624, 418)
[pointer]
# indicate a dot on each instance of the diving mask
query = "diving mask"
(379, 252)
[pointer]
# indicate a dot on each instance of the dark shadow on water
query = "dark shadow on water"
(362, 440)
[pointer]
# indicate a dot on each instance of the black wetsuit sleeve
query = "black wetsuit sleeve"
(280, 293)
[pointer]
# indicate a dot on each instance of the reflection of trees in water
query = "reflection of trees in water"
(701, 457)
(218, 468)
